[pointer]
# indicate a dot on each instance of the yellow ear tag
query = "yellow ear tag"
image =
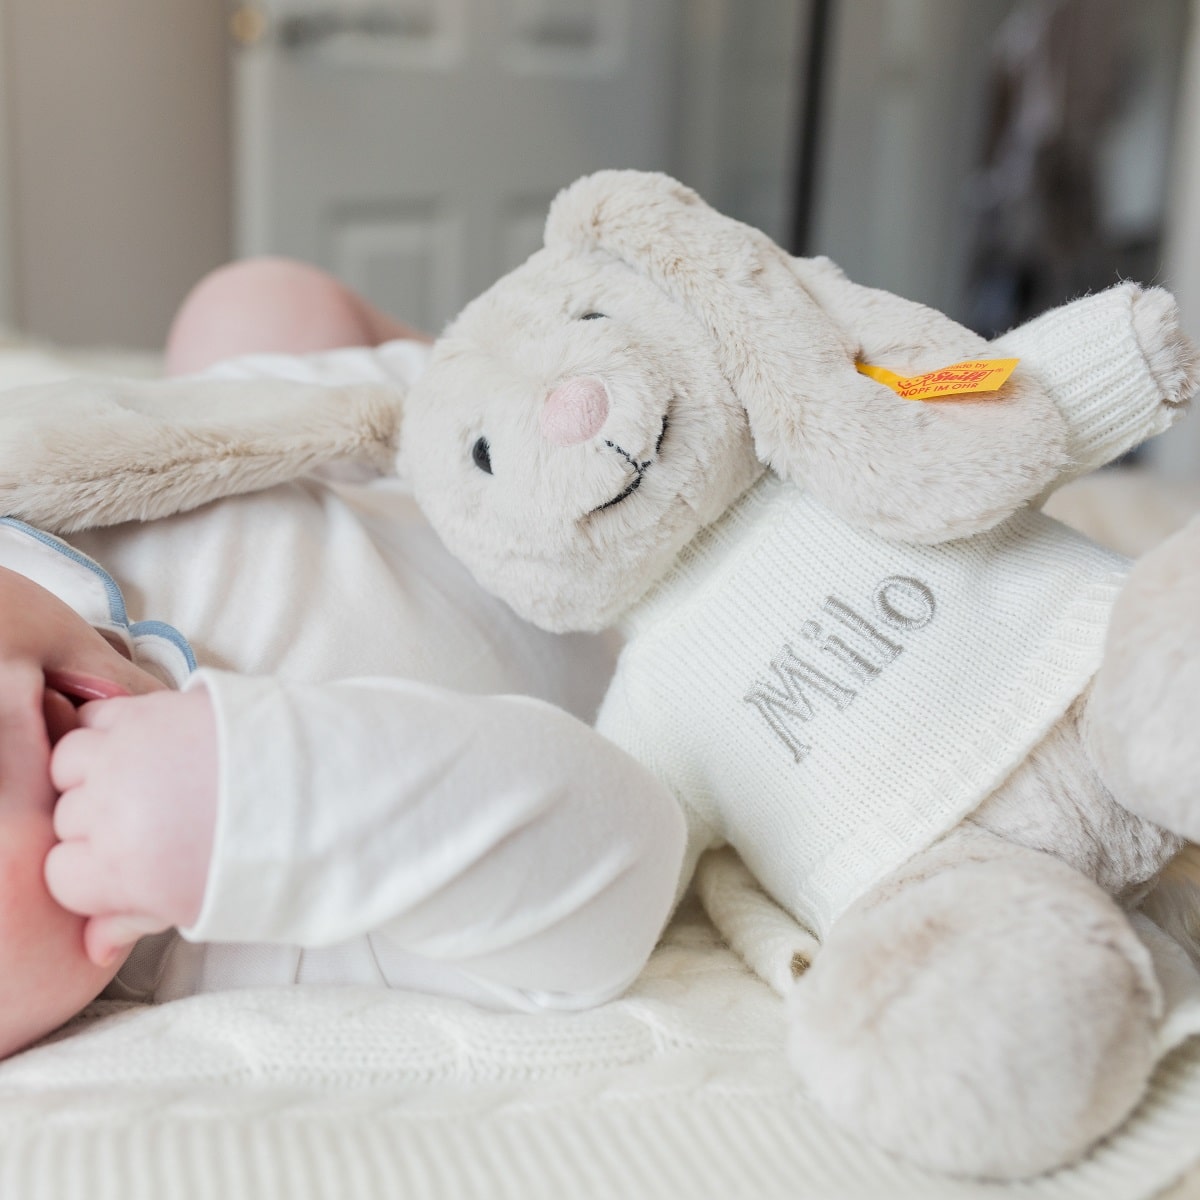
(959, 379)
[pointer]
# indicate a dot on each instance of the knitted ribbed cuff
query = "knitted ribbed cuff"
(1116, 377)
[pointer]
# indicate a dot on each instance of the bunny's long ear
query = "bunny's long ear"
(89, 452)
(789, 332)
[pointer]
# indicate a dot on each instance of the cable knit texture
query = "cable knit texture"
(679, 1089)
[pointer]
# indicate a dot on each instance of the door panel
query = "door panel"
(413, 146)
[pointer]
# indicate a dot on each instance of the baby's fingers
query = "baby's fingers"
(79, 883)
(104, 714)
(108, 939)
(72, 758)
(75, 882)
(75, 815)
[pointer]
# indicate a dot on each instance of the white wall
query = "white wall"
(118, 183)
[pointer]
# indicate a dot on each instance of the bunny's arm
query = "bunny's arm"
(1117, 364)
(90, 452)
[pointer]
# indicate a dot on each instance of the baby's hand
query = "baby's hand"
(135, 818)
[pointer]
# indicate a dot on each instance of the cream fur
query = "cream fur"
(989, 1010)
(89, 452)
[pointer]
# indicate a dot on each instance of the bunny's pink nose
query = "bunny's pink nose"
(574, 411)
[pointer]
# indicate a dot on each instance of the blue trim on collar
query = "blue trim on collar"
(168, 633)
(116, 602)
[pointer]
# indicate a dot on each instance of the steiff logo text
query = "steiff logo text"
(845, 652)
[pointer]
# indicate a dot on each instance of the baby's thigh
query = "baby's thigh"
(264, 305)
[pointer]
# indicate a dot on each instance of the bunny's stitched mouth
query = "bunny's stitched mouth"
(639, 468)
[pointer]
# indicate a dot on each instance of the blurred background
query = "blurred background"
(990, 157)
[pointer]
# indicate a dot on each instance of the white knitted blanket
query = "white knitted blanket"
(678, 1089)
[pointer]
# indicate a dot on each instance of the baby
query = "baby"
(355, 767)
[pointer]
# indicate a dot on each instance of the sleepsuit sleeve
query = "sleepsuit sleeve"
(495, 834)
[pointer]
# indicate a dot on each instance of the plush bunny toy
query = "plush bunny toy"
(865, 668)
(855, 649)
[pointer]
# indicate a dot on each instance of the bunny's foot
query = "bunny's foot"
(986, 1011)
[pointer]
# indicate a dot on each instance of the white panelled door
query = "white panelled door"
(413, 146)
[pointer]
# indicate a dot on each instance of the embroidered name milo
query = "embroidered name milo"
(845, 650)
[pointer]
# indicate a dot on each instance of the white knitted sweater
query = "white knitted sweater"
(829, 702)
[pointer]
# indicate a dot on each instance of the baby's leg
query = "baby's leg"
(272, 305)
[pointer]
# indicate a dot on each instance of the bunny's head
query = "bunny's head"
(586, 416)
